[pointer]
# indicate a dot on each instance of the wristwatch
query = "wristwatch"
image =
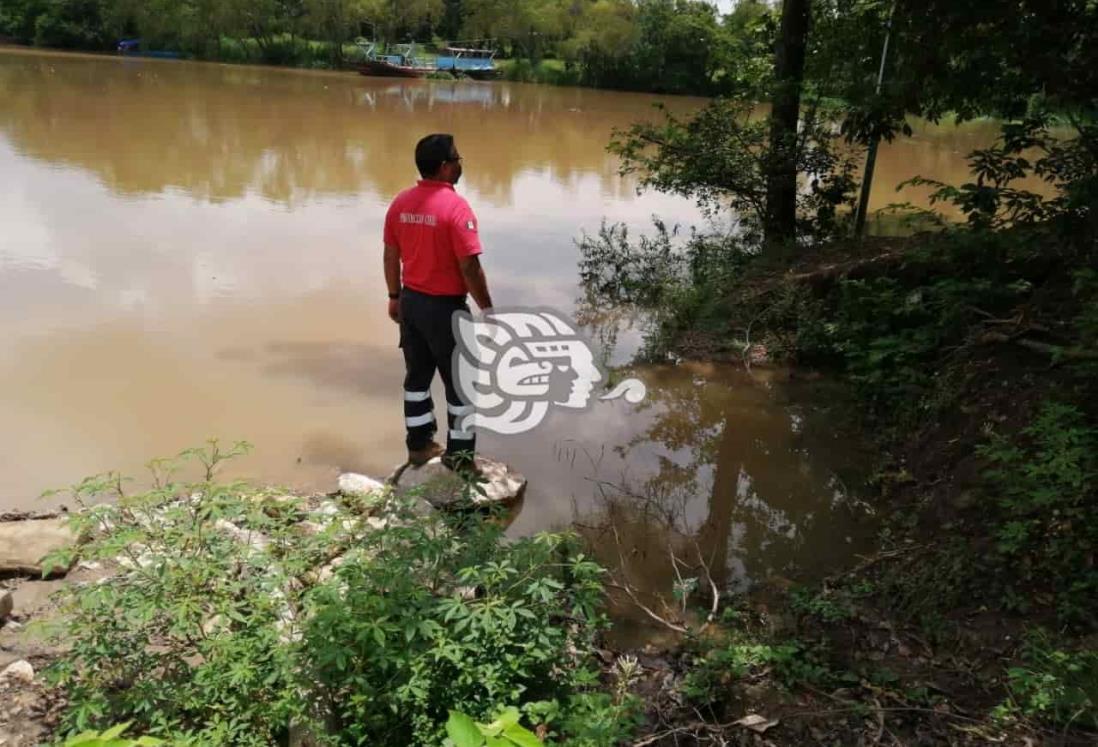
(394, 296)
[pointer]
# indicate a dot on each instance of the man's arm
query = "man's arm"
(392, 279)
(475, 281)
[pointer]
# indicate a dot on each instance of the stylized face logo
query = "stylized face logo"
(513, 365)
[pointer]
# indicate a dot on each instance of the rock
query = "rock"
(30, 597)
(19, 671)
(7, 604)
(23, 544)
(359, 486)
(440, 486)
(256, 540)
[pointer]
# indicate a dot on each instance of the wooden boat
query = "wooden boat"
(400, 63)
(473, 59)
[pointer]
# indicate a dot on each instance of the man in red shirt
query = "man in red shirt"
(432, 259)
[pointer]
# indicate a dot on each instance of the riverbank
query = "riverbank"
(971, 357)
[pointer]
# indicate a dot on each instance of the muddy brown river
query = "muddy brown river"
(191, 250)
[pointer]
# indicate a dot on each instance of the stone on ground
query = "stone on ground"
(440, 486)
(7, 605)
(358, 486)
(31, 597)
(23, 544)
(20, 671)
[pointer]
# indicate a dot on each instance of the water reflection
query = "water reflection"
(221, 132)
(747, 475)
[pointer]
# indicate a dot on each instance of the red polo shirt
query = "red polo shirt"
(432, 226)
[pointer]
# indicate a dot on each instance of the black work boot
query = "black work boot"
(419, 457)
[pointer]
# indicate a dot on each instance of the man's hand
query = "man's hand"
(475, 281)
(392, 280)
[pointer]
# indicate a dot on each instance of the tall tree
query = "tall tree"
(781, 189)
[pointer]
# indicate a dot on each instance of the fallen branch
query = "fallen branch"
(632, 594)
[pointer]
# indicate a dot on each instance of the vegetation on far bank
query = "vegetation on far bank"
(664, 46)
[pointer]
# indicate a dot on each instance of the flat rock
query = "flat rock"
(440, 486)
(359, 486)
(23, 544)
(31, 597)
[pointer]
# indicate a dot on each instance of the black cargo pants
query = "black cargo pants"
(427, 339)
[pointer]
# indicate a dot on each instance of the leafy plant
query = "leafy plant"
(234, 614)
(791, 660)
(1053, 685)
(503, 731)
(110, 738)
(1046, 487)
(721, 158)
(441, 616)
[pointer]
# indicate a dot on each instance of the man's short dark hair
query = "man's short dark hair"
(433, 151)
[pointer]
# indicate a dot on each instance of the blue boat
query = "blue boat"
(132, 48)
(462, 58)
(399, 62)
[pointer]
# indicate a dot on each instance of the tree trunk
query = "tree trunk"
(781, 189)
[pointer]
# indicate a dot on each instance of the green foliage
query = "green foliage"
(552, 72)
(1045, 483)
(681, 283)
(1026, 149)
(1051, 685)
(440, 619)
(667, 46)
(827, 607)
(230, 619)
(188, 639)
(504, 731)
(590, 718)
(792, 662)
(721, 157)
(76, 24)
(110, 738)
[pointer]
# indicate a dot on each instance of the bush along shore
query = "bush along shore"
(207, 612)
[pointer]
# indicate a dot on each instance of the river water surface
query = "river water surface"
(191, 250)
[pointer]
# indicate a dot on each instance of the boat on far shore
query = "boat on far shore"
(462, 59)
(401, 62)
(474, 59)
(132, 48)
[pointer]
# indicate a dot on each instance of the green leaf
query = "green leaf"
(463, 730)
(508, 716)
(115, 731)
(521, 736)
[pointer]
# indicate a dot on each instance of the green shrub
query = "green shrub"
(1052, 685)
(438, 617)
(503, 731)
(716, 668)
(76, 24)
(1045, 483)
(110, 738)
(231, 620)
